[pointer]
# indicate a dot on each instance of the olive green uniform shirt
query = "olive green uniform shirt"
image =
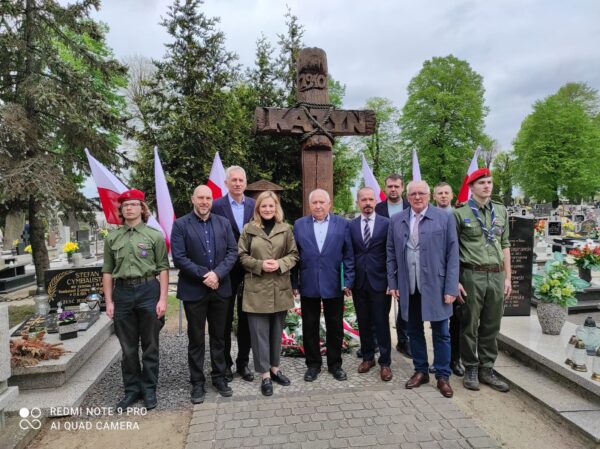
(135, 252)
(473, 246)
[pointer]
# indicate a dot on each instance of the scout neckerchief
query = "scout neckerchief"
(489, 233)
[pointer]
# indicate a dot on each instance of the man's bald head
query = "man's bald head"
(202, 201)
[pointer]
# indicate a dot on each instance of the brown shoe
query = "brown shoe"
(417, 380)
(386, 373)
(444, 386)
(365, 366)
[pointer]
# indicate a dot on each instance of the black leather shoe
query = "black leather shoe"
(150, 400)
(128, 400)
(311, 374)
(198, 393)
(339, 374)
(228, 375)
(359, 353)
(266, 387)
(245, 373)
(457, 368)
(222, 388)
(403, 347)
(431, 369)
(280, 378)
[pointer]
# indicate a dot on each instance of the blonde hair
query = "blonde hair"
(257, 219)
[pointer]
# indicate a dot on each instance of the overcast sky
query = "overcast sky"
(524, 49)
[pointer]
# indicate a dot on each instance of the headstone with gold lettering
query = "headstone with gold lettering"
(521, 259)
(72, 285)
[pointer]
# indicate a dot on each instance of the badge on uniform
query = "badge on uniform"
(143, 251)
(467, 220)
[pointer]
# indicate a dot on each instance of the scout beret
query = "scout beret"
(477, 174)
(132, 194)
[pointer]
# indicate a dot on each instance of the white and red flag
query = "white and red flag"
(109, 189)
(464, 193)
(416, 169)
(370, 181)
(166, 214)
(216, 179)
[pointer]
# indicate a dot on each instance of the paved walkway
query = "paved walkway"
(361, 412)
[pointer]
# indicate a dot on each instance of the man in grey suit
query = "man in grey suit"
(423, 268)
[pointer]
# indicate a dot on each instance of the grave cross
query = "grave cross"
(315, 121)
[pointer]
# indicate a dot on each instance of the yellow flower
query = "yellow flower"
(70, 247)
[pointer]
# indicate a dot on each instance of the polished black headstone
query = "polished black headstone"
(71, 286)
(521, 259)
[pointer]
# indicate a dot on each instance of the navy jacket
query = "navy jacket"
(318, 274)
(382, 207)
(370, 262)
(189, 252)
(222, 207)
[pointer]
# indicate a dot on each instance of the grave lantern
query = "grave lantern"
(596, 366)
(579, 357)
(569, 350)
(589, 334)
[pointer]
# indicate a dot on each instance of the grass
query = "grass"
(172, 306)
(18, 314)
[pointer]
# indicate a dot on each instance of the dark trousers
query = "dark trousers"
(418, 345)
(333, 310)
(455, 331)
(372, 312)
(214, 308)
(401, 327)
(135, 321)
(243, 333)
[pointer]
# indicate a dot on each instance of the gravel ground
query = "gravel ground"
(174, 388)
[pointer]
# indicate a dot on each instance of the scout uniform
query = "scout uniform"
(134, 256)
(483, 234)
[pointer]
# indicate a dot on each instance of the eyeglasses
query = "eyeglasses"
(416, 194)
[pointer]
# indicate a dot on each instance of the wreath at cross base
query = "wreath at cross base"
(291, 338)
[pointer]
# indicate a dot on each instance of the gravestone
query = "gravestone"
(587, 226)
(7, 394)
(521, 262)
(71, 286)
(83, 240)
(554, 228)
(315, 121)
(50, 322)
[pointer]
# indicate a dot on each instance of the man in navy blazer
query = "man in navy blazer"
(422, 269)
(369, 238)
(205, 251)
(324, 243)
(238, 209)
(393, 205)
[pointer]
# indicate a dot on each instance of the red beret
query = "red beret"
(132, 194)
(477, 174)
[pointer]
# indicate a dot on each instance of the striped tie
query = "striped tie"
(367, 233)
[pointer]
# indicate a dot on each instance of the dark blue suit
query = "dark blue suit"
(370, 285)
(222, 207)
(401, 325)
(318, 277)
(191, 255)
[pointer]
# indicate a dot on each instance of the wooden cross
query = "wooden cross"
(315, 121)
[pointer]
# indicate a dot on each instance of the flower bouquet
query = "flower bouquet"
(587, 257)
(67, 325)
(559, 283)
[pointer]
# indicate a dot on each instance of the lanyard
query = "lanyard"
(489, 233)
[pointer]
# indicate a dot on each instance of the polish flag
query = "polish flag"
(166, 214)
(109, 189)
(416, 170)
(465, 193)
(371, 182)
(216, 179)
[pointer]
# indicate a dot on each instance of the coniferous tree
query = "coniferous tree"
(58, 94)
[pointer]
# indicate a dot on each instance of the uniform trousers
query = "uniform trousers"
(480, 320)
(135, 322)
(265, 335)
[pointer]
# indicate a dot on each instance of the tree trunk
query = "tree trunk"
(38, 243)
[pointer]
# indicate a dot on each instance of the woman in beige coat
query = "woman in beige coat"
(267, 252)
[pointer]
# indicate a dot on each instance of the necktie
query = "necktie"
(367, 233)
(414, 235)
